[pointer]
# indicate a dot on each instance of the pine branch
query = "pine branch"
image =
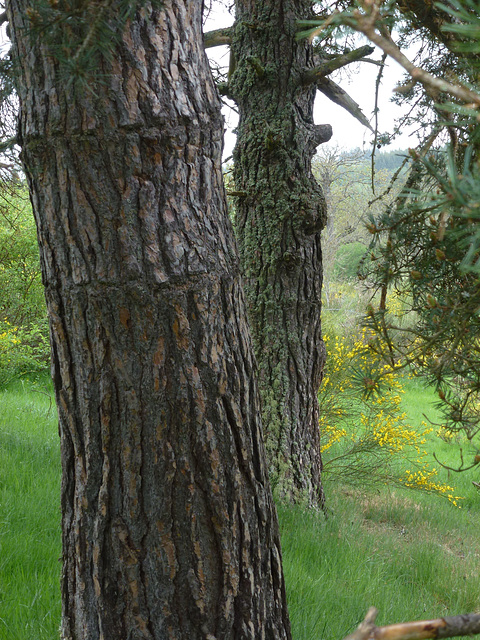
(102, 8)
(370, 25)
(313, 75)
(339, 96)
(217, 37)
(7, 144)
(431, 17)
(448, 627)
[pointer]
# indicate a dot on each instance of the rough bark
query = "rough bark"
(169, 530)
(280, 215)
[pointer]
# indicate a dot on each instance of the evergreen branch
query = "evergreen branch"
(448, 627)
(436, 19)
(92, 31)
(217, 38)
(368, 24)
(339, 96)
(315, 74)
(79, 37)
(5, 145)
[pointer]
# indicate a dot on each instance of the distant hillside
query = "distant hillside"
(389, 160)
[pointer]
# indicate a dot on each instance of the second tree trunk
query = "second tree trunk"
(280, 213)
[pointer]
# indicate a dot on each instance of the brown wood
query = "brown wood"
(448, 627)
(169, 529)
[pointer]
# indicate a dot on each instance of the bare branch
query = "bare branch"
(312, 75)
(369, 22)
(366, 627)
(339, 96)
(377, 63)
(448, 627)
(456, 469)
(3, 18)
(217, 37)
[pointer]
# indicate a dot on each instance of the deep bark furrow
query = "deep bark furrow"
(168, 522)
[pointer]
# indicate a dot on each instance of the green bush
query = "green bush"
(23, 321)
(347, 261)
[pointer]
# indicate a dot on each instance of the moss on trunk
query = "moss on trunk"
(279, 222)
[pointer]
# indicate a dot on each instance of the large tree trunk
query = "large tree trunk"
(169, 530)
(280, 212)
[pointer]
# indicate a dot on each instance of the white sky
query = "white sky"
(348, 133)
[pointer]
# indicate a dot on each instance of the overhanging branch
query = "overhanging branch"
(426, 14)
(371, 26)
(313, 75)
(217, 38)
(8, 143)
(3, 18)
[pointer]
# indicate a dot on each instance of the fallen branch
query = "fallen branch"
(448, 627)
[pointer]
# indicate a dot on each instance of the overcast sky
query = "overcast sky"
(348, 133)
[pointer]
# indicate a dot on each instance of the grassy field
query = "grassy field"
(29, 515)
(412, 555)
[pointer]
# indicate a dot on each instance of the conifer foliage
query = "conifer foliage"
(426, 246)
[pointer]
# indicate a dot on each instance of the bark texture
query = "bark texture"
(169, 530)
(280, 214)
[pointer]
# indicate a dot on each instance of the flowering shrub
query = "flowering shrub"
(22, 351)
(364, 432)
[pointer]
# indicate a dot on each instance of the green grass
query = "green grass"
(411, 558)
(29, 516)
(412, 555)
(419, 404)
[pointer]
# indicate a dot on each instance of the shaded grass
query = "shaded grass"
(29, 516)
(413, 555)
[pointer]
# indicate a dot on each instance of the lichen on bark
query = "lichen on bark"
(279, 219)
